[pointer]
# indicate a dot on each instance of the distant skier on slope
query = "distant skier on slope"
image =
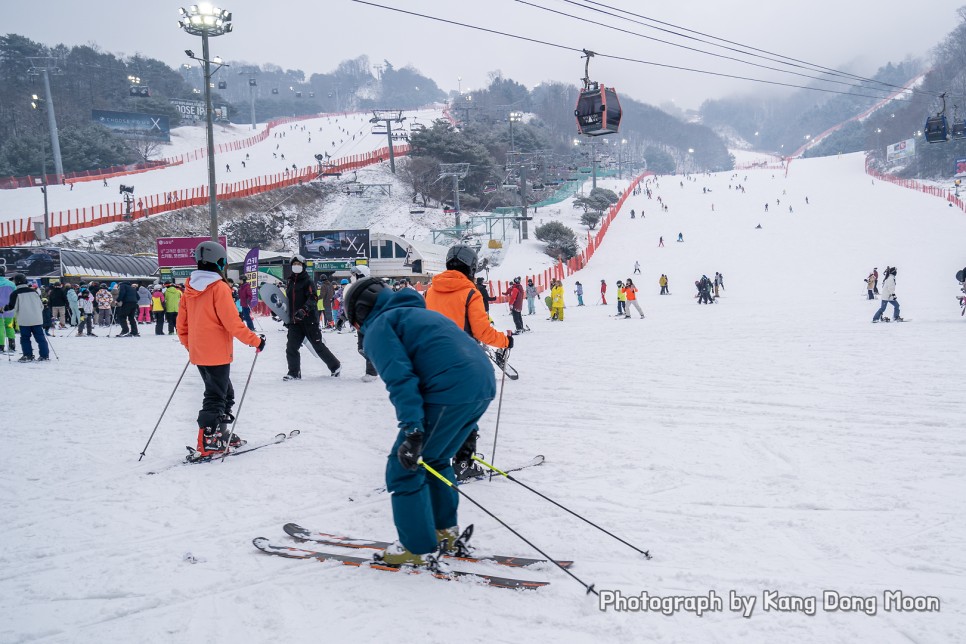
(440, 384)
(888, 296)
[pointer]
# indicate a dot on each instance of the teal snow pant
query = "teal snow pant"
(421, 503)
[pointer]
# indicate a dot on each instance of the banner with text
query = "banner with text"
(901, 150)
(133, 125)
(180, 251)
(251, 273)
(334, 244)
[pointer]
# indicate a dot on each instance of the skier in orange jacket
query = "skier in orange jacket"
(453, 294)
(207, 323)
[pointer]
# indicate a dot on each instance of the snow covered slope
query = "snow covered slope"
(774, 441)
(291, 143)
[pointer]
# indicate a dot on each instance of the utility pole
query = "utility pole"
(44, 67)
(388, 117)
(457, 171)
(593, 152)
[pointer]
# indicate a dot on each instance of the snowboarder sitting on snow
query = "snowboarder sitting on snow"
(440, 384)
(888, 296)
(454, 295)
(303, 322)
(207, 321)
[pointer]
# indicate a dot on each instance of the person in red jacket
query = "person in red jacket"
(514, 296)
(603, 292)
(207, 323)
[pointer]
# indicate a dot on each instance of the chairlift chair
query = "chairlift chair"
(936, 129)
(598, 109)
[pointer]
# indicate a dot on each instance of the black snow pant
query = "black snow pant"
(172, 317)
(159, 323)
(219, 394)
(127, 316)
(299, 331)
(517, 319)
(370, 368)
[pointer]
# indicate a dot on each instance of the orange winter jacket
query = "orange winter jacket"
(456, 297)
(208, 319)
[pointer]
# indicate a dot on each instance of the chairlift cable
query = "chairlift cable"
(751, 49)
(613, 56)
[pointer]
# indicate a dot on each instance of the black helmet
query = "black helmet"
(209, 252)
(3, 270)
(298, 258)
(361, 297)
(19, 279)
(461, 258)
(516, 280)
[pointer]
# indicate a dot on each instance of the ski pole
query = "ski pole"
(110, 328)
(589, 587)
(509, 476)
(499, 408)
(158, 424)
(241, 401)
(50, 345)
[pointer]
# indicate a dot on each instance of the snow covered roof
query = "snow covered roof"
(78, 263)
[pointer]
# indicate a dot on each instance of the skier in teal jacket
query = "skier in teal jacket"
(440, 383)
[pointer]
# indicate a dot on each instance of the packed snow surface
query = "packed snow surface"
(774, 441)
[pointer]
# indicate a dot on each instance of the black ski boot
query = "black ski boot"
(224, 424)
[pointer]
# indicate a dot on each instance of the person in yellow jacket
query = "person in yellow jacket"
(621, 298)
(557, 301)
(663, 283)
(454, 295)
(157, 309)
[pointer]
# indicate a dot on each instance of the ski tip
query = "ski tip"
(295, 530)
(294, 433)
(261, 543)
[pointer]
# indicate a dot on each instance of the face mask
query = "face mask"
(297, 268)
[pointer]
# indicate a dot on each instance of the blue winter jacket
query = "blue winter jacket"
(423, 358)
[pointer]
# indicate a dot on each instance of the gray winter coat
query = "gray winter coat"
(28, 308)
(144, 296)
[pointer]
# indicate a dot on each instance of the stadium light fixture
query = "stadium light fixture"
(206, 20)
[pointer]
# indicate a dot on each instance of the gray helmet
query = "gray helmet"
(298, 258)
(461, 258)
(361, 297)
(211, 253)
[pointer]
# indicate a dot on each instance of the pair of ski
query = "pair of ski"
(193, 456)
(304, 535)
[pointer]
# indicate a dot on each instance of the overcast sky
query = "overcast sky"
(314, 35)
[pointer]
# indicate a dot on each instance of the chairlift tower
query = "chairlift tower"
(457, 171)
(388, 117)
(44, 67)
(524, 162)
(251, 72)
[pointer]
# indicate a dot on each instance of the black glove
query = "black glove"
(261, 345)
(299, 315)
(509, 337)
(411, 449)
(468, 449)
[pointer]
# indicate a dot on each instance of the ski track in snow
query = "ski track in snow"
(774, 440)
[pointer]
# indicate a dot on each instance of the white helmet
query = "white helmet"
(360, 271)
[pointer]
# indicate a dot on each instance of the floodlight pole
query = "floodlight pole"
(52, 124)
(251, 95)
(212, 187)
